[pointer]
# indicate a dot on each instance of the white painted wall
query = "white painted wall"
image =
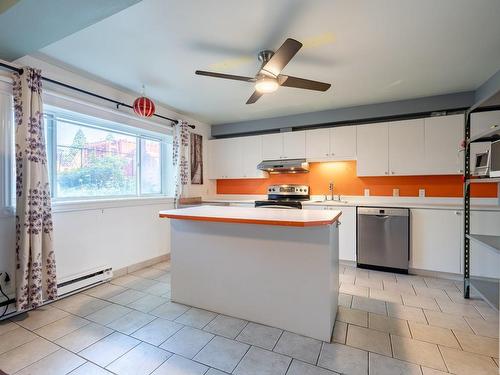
(115, 234)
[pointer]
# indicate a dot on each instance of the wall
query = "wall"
(372, 112)
(117, 234)
(343, 174)
(114, 236)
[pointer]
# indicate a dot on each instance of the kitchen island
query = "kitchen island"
(271, 266)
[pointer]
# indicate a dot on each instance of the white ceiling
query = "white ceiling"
(371, 51)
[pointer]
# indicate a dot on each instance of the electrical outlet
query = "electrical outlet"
(367, 192)
(4, 279)
(395, 192)
(421, 193)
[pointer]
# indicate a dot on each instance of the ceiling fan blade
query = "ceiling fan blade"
(255, 96)
(282, 57)
(226, 76)
(301, 83)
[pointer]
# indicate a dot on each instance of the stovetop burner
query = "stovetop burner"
(285, 196)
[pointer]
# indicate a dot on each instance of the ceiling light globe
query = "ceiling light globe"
(266, 85)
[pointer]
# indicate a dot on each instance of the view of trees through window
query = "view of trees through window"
(97, 162)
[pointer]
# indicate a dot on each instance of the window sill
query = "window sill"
(7, 212)
(99, 204)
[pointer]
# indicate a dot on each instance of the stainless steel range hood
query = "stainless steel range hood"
(284, 166)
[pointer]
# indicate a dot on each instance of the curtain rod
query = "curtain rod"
(118, 104)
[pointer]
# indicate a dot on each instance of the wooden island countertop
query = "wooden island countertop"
(251, 215)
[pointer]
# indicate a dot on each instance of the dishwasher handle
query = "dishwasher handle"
(383, 211)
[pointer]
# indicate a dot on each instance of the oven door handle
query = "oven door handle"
(277, 206)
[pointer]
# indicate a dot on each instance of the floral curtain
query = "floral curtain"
(180, 157)
(35, 259)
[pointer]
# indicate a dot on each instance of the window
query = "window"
(92, 158)
(7, 161)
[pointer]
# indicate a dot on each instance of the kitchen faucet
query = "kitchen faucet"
(330, 188)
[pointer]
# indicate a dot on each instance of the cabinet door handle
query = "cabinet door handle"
(327, 154)
(458, 213)
(392, 172)
(386, 172)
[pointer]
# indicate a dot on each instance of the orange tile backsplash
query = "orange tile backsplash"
(343, 174)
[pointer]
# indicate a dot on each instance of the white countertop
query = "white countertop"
(477, 204)
(251, 215)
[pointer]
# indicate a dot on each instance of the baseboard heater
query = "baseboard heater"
(75, 283)
(70, 285)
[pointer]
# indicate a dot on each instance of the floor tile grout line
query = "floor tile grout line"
(76, 368)
(289, 365)
(70, 314)
(456, 338)
(140, 342)
(59, 346)
(241, 359)
(277, 341)
(442, 357)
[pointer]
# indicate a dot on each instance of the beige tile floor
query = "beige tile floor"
(387, 324)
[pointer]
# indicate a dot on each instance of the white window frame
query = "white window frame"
(53, 113)
(7, 168)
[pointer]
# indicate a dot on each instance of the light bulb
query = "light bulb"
(266, 85)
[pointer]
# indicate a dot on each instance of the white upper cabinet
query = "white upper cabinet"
(235, 158)
(318, 144)
(289, 145)
(216, 158)
(427, 146)
(343, 143)
(337, 143)
(251, 148)
(406, 147)
(272, 146)
(294, 145)
(231, 158)
(373, 150)
(443, 136)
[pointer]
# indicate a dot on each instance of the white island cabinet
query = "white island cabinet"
(347, 229)
(270, 266)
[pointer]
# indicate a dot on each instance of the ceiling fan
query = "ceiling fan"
(269, 77)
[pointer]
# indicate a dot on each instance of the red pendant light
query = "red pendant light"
(144, 106)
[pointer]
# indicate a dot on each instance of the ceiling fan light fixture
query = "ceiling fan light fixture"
(266, 85)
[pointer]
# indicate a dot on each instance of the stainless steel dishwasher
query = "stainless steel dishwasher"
(383, 238)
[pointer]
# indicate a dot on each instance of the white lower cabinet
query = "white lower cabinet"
(347, 230)
(436, 240)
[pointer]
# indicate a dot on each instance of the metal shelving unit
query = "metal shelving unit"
(488, 288)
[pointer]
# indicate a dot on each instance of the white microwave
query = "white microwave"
(495, 159)
(482, 164)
